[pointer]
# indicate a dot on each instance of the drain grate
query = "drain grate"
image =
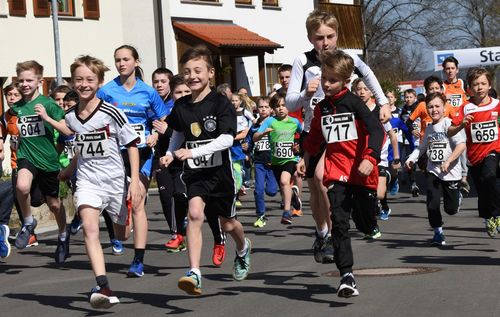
(387, 271)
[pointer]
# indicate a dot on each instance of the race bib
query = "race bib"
(92, 145)
(141, 132)
(205, 161)
(455, 100)
(314, 102)
(484, 132)
(69, 149)
(283, 150)
(438, 152)
(339, 127)
(31, 126)
(262, 145)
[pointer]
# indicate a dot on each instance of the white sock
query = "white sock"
(244, 251)
(323, 232)
(62, 236)
(28, 220)
(196, 271)
(438, 230)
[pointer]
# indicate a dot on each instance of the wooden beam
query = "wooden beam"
(262, 75)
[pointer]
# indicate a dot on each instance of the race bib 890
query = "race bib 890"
(339, 127)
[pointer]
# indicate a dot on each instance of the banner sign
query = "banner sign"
(469, 57)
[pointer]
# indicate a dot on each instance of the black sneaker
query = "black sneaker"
(318, 248)
(327, 250)
(296, 202)
(347, 287)
(464, 188)
(415, 191)
(62, 250)
(23, 237)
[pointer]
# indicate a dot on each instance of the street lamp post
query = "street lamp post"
(57, 47)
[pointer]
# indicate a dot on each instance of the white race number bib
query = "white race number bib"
(484, 132)
(438, 152)
(262, 145)
(92, 145)
(205, 161)
(31, 126)
(455, 100)
(283, 150)
(339, 127)
(141, 132)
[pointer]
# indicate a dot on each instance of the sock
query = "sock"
(286, 212)
(347, 274)
(244, 251)
(102, 281)
(196, 271)
(28, 220)
(322, 232)
(139, 254)
(63, 235)
(438, 230)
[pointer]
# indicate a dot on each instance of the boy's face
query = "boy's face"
(68, 104)
(180, 91)
(28, 82)
(435, 109)
(363, 92)
(161, 84)
(13, 96)
(324, 39)
(197, 74)
(86, 83)
(280, 110)
(330, 82)
(410, 99)
(480, 87)
(391, 97)
(59, 98)
(450, 70)
(125, 63)
(284, 78)
(433, 87)
(264, 109)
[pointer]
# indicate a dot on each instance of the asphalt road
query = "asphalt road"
(459, 279)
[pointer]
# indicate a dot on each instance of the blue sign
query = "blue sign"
(442, 57)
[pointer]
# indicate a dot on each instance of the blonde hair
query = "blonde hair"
(338, 63)
(94, 64)
(318, 18)
(30, 65)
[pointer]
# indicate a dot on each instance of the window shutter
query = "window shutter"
(17, 8)
(91, 9)
(41, 8)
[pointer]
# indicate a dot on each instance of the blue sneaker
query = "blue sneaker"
(4, 241)
(395, 188)
(76, 225)
(117, 247)
(136, 269)
(23, 237)
(384, 214)
(438, 239)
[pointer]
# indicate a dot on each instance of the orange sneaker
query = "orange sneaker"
(297, 213)
(33, 241)
(176, 244)
(219, 254)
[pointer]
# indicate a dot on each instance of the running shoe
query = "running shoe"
(176, 244)
(76, 225)
(260, 222)
(190, 283)
(219, 254)
(318, 248)
(24, 235)
(394, 189)
(491, 227)
(296, 202)
(327, 250)
(464, 188)
(4, 241)
(136, 269)
(102, 298)
(497, 221)
(286, 218)
(117, 247)
(237, 203)
(384, 214)
(438, 239)
(242, 263)
(415, 191)
(374, 235)
(347, 287)
(297, 213)
(33, 242)
(62, 250)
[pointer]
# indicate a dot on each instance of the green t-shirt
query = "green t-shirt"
(36, 137)
(281, 138)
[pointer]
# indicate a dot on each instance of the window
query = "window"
(42, 8)
(66, 8)
(91, 9)
(271, 76)
(243, 1)
(17, 8)
(273, 3)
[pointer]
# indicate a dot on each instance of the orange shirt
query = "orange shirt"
(421, 112)
(455, 92)
(9, 126)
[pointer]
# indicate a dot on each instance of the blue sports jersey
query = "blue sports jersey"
(398, 124)
(141, 105)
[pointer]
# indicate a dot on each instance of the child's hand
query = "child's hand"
(166, 160)
(134, 194)
(395, 165)
(40, 110)
(160, 126)
(445, 167)
(301, 168)
(409, 165)
(467, 120)
(312, 86)
(152, 139)
(268, 130)
(365, 168)
(183, 154)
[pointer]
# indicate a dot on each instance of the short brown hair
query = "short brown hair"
(275, 99)
(61, 88)
(30, 65)
(355, 83)
(94, 64)
(433, 96)
(197, 52)
(476, 72)
(318, 18)
(410, 91)
(11, 87)
(337, 62)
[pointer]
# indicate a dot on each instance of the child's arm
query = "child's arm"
(134, 189)
(222, 142)
(295, 96)
(454, 129)
(413, 157)
(393, 136)
(242, 134)
(176, 141)
(264, 129)
(66, 173)
(459, 149)
(58, 125)
(2, 153)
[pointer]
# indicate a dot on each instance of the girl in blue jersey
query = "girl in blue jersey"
(141, 104)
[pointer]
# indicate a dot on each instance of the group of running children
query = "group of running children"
(116, 136)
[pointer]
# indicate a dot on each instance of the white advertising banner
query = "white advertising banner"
(469, 57)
